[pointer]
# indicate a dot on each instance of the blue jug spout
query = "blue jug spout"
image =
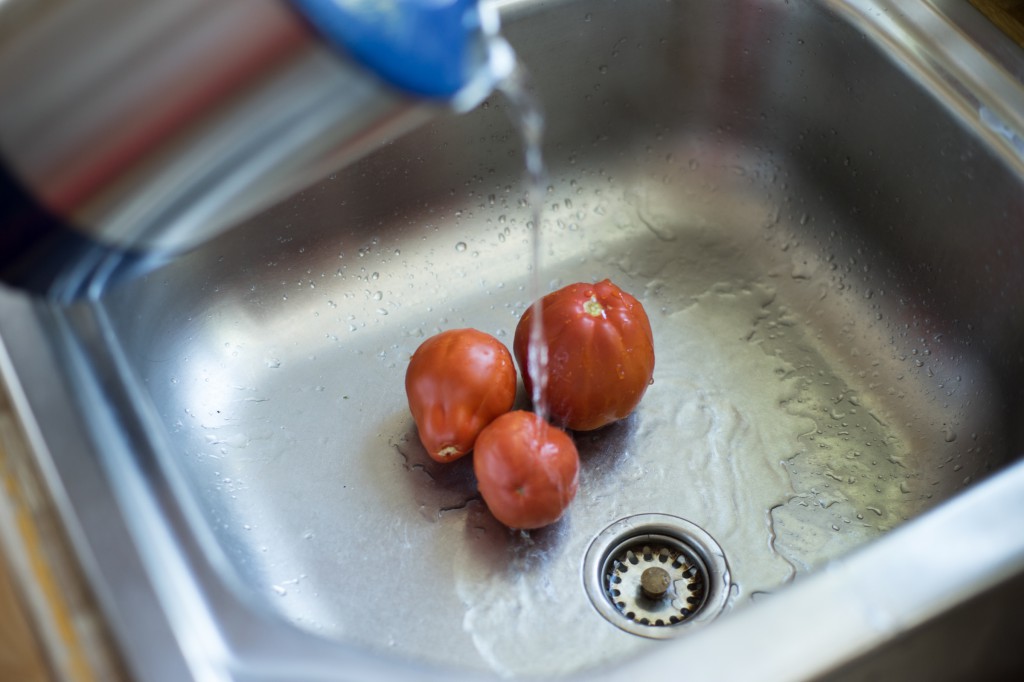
(437, 49)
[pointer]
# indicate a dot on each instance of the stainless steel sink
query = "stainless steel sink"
(820, 204)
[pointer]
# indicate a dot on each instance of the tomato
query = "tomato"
(600, 353)
(457, 383)
(526, 469)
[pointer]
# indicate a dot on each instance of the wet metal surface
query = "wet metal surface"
(827, 247)
(810, 392)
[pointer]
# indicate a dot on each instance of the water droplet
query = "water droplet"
(460, 246)
(948, 434)
(273, 363)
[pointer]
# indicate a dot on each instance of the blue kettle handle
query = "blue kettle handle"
(425, 47)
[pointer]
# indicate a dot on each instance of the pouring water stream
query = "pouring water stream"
(527, 115)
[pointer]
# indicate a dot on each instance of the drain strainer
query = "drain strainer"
(655, 582)
(656, 575)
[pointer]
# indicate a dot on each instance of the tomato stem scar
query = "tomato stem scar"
(448, 451)
(593, 308)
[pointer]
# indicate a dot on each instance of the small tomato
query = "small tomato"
(457, 383)
(526, 469)
(600, 353)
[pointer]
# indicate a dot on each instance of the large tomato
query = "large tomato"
(527, 470)
(600, 353)
(457, 383)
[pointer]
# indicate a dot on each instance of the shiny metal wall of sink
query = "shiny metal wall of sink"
(819, 204)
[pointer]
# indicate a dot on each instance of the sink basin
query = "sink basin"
(818, 203)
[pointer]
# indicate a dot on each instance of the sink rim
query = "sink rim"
(37, 340)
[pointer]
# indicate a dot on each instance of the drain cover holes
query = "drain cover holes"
(655, 575)
(655, 582)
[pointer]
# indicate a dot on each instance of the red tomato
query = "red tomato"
(600, 353)
(457, 383)
(527, 470)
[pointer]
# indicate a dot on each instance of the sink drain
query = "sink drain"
(656, 575)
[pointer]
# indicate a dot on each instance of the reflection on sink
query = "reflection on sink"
(828, 250)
